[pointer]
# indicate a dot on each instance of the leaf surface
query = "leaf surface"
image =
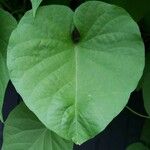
(23, 131)
(76, 89)
(7, 24)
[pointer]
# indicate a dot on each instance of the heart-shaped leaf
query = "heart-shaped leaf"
(137, 146)
(76, 84)
(7, 24)
(146, 84)
(23, 131)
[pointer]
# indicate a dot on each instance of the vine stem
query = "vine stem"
(140, 115)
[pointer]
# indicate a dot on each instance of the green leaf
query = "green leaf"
(23, 131)
(146, 84)
(136, 8)
(137, 146)
(76, 89)
(35, 5)
(146, 133)
(7, 24)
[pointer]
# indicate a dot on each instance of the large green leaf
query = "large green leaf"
(7, 24)
(76, 89)
(137, 146)
(146, 84)
(23, 131)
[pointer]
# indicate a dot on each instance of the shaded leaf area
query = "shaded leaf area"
(145, 136)
(145, 25)
(7, 24)
(76, 78)
(146, 84)
(137, 146)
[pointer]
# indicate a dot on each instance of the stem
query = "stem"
(138, 114)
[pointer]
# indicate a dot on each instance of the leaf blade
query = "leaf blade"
(70, 83)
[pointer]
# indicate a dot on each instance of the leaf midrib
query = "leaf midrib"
(76, 90)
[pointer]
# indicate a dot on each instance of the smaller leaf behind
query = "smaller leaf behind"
(23, 131)
(146, 84)
(7, 24)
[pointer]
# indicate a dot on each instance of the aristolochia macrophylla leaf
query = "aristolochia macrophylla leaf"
(23, 131)
(76, 87)
(7, 24)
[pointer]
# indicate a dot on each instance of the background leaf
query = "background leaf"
(7, 24)
(146, 133)
(24, 131)
(146, 84)
(137, 146)
(76, 89)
